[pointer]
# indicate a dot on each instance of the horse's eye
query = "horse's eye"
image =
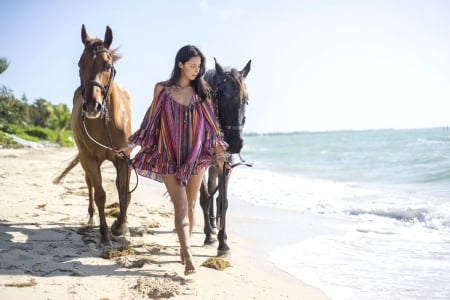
(243, 120)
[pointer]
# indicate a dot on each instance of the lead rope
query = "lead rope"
(128, 161)
(222, 186)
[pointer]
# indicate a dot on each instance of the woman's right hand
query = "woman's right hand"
(125, 151)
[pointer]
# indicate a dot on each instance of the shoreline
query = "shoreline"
(43, 239)
(265, 229)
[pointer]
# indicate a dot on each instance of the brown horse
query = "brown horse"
(101, 122)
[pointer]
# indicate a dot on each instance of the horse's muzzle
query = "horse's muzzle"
(235, 145)
(92, 111)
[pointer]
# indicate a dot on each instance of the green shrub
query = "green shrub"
(7, 141)
(11, 128)
(67, 139)
(40, 133)
(34, 134)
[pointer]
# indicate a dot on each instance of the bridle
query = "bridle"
(105, 89)
(216, 96)
(104, 109)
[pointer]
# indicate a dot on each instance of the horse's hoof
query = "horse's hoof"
(105, 242)
(223, 249)
(119, 230)
(209, 241)
(223, 253)
(91, 222)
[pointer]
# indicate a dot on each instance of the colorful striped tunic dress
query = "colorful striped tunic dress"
(176, 139)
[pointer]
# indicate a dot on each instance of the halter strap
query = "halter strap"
(233, 127)
(105, 89)
(216, 107)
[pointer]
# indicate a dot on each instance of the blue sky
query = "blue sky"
(316, 65)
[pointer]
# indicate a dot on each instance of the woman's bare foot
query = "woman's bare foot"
(187, 258)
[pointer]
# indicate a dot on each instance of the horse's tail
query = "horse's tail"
(71, 165)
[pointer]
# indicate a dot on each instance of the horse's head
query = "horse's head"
(96, 72)
(230, 99)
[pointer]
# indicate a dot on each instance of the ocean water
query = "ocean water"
(390, 189)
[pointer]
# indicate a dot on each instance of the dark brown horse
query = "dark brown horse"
(101, 123)
(230, 99)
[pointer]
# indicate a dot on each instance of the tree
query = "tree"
(4, 64)
(39, 112)
(26, 114)
(59, 119)
(10, 108)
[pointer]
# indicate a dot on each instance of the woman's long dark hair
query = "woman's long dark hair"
(199, 85)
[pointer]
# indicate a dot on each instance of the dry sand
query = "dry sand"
(48, 252)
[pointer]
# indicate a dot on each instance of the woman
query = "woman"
(179, 137)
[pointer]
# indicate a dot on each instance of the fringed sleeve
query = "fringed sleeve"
(148, 132)
(213, 135)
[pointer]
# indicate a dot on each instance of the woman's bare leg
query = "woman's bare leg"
(192, 190)
(179, 198)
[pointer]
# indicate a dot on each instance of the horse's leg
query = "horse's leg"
(222, 206)
(119, 227)
(213, 174)
(91, 208)
(205, 204)
(92, 169)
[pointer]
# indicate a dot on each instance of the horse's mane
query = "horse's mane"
(243, 95)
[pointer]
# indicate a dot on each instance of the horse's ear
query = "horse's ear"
(108, 37)
(246, 69)
(219, 69)
(84, 35)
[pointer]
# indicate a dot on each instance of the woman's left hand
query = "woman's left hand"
(224, 164)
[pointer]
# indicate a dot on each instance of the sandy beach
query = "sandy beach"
(48, 252)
